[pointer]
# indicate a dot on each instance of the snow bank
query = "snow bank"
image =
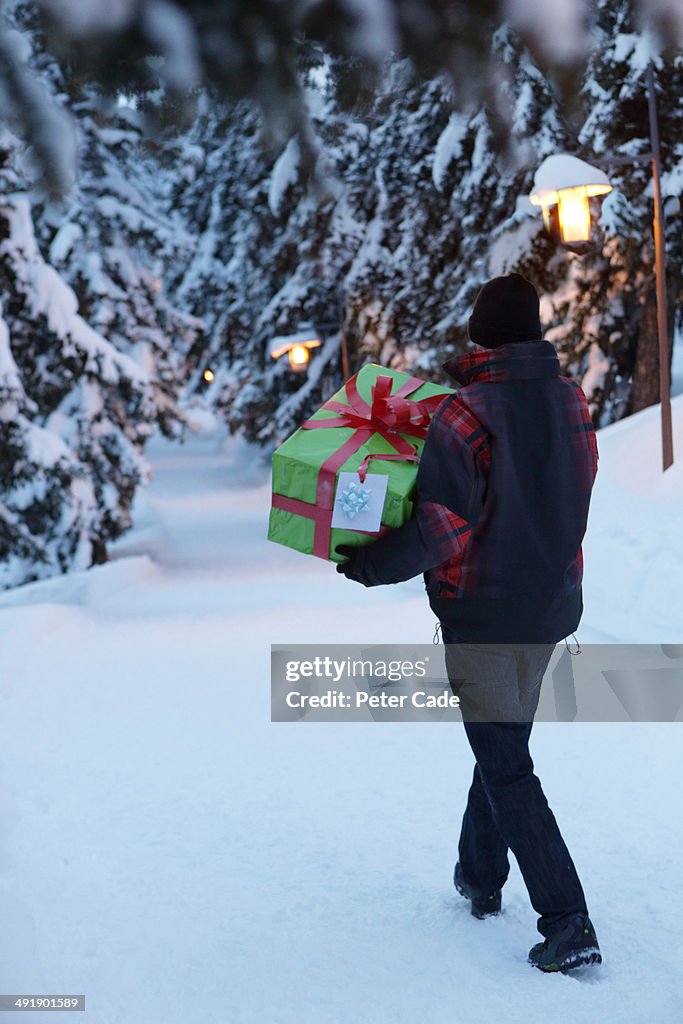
(634, 548)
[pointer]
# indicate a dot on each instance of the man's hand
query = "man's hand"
(355, 566)
(347, 568)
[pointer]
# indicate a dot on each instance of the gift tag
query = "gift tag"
(358, 506)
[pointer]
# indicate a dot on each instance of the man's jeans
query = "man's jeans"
(506, 807)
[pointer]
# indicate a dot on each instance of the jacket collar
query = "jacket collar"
(520, 360)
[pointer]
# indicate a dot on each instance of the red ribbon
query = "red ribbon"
(387, 415)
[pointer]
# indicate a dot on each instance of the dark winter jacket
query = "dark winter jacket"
(503, 490)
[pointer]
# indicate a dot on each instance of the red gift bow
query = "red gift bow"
(389, 416)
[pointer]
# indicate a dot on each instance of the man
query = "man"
(503, 491)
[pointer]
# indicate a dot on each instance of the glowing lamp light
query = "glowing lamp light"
(562, 187)
(297, 346)
(209, 376)
(574, 214)
(299, 357)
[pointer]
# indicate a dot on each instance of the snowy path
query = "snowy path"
(168, 852)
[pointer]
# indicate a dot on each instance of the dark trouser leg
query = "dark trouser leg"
(524, 819)
(501, 686)
(482, 851)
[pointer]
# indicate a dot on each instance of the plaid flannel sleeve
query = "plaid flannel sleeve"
(451, 482)
(583, 436)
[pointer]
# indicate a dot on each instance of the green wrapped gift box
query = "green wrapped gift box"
(375, 424)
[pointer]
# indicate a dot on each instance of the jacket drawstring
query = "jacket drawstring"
(578, 650)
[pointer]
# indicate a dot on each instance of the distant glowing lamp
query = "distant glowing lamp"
(297, 346)
(209, 376)
(562, 187)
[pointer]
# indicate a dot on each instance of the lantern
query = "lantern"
(209, 376)
(562, 188)
(297, 346)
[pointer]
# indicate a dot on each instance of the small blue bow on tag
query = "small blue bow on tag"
(354, 499)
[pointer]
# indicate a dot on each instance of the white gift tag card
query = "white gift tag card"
(358, 506)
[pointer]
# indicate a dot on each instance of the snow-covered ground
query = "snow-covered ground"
(170, 853)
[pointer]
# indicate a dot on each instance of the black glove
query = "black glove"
(350, 553)
(358, 566)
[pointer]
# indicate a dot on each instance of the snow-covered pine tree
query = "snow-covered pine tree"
(423, 207)
(109, 237)
(46, 500)
(220, 197)
(77, 410)
(449, 192)
(113, 243)
(606, 313)
(251, 48)
(259, 267)
(418, 198)
(73, 456)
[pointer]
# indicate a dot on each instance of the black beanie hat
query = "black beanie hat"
(505, 310)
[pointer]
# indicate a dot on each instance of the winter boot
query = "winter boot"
(573, 945)
(483, 904)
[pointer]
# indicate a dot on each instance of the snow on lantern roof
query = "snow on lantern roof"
(306, 336)
(564, 171)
